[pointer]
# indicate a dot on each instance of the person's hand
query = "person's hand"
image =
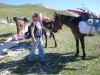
(34, 40)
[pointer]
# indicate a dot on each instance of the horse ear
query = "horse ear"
(55, 13)
(25, 19)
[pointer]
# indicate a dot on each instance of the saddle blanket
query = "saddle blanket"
(88, 29)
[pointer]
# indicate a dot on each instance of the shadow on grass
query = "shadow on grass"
(23, 45)
(92, 57)
(55, 63)
(50, 47)
(6, 35)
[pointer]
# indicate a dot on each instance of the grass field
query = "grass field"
(59, 60)
(7, 30)
(23, 11)
(26, 10)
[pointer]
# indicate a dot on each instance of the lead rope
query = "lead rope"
(90, 30)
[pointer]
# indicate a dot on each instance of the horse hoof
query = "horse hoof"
(55, 45)
(76, 55)
(83, 57)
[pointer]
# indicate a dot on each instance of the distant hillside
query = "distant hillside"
(39, 5)
(6, 5)
(26, 10)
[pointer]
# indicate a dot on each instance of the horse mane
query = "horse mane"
(76, 20)
(67, 17)
(73, 19)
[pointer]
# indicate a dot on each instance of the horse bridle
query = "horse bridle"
(60, 23)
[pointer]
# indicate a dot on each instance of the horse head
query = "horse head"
(49, 24)
(15, 19)
(25, 19)
(57, 22)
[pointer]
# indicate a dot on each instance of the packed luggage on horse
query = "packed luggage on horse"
(90, 23)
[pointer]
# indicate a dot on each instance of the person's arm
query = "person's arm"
(32, 34)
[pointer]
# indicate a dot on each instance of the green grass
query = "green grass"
(23, 11)
(26, 10)
(59, 60)
(7, 30)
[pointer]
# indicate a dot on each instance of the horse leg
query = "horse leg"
(77, 47)
(83, 46)
(45, 39)
(52, 34)
(18, 31)
(22, 29)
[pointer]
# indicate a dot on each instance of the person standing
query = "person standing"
(8, 19)
(36, 35)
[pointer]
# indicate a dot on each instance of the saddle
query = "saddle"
(48, 20)
(48, 23)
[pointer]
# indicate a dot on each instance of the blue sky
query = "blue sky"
(93, 5)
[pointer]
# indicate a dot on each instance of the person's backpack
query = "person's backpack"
(28, 33)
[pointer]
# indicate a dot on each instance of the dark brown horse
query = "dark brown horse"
(49, 29)
(72, 22)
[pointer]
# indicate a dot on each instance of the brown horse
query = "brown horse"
(72, 22)
(49, 29)
(20, 24)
